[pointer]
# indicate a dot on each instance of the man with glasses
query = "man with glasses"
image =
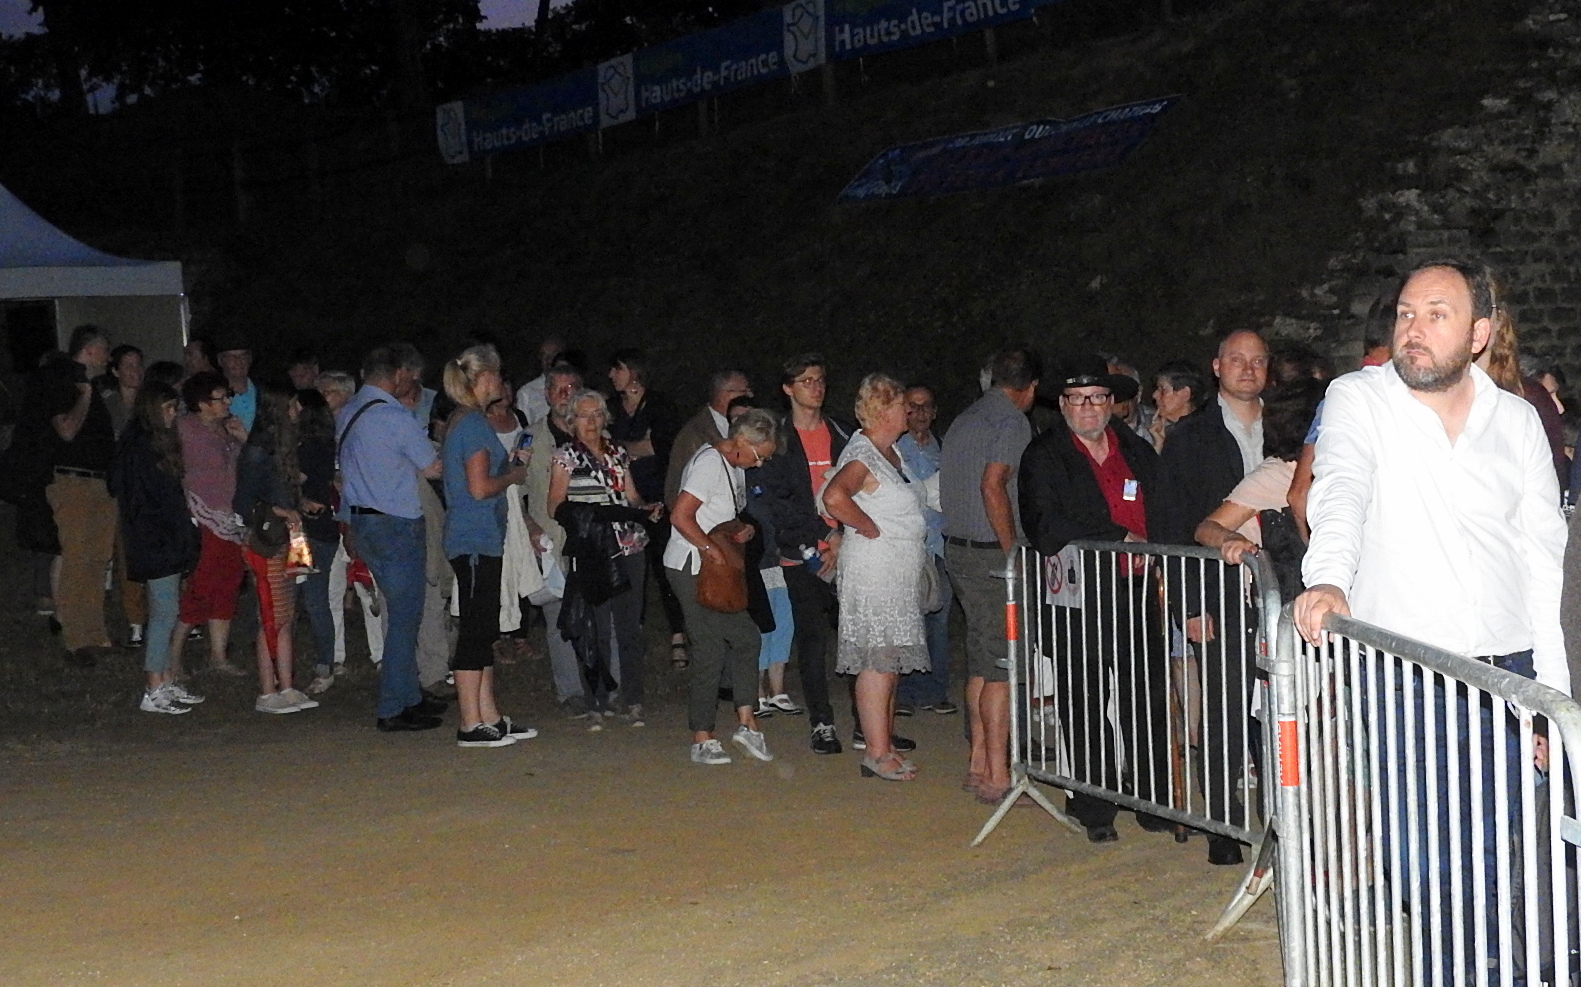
(977, 489)
(1090, 477)
(808, 544)
(709, 425)
(919, 452)
(236, 362)
(1207, 454)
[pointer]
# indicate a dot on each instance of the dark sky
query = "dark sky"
(14, 18)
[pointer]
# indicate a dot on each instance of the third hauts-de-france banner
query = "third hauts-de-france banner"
(1021, 152)
(774, 43)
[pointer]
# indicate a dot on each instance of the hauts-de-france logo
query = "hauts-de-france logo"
(803, 35)
(617, 101)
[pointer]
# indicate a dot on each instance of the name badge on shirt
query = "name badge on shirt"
(1128, 491)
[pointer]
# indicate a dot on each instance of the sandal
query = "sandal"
(903, 770)
(680, 655)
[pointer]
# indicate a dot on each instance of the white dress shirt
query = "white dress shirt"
(531, 400)
(1458, 546)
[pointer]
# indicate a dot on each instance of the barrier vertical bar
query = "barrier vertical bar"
(1283, 691)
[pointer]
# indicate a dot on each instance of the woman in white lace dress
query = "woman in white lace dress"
(881, 629)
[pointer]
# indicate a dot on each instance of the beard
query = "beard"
(1435, 375)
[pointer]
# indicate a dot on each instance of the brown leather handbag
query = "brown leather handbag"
(722, 577)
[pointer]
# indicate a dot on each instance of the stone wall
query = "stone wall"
(1505, 186)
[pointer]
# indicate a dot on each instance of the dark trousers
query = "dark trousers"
(478, 599)
(723, 645)
(814, 607)
(1110, 654)
(617, 624)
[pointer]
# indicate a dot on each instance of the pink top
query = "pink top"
(209, 458)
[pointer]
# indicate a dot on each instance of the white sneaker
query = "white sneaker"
(180, 694)
(274, 702)
(595, 721)
(320, 685)
(709, 752)
(752, 742)
(783, 704)
(299, 699)
(160, 701)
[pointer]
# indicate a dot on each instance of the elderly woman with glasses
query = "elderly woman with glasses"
(592, 471)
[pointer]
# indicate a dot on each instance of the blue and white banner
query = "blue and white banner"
(518, 118)
(771, 44)
(1024, 152)
(857, 28)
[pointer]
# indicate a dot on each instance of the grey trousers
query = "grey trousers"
(436, 638)
(562, 657)
(719, 640)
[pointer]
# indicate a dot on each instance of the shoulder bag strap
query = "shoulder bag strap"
(347, 431)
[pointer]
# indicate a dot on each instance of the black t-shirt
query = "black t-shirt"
(94, 446)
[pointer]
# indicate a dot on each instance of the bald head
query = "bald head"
(1242, 365)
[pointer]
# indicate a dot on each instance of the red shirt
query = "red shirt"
(1116, 480)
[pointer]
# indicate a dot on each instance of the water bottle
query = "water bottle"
(810, 557)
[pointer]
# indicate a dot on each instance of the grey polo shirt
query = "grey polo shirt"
(992, 430)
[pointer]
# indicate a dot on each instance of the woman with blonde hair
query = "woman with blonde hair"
(477, 474)
(881, 630)
(1501, 359)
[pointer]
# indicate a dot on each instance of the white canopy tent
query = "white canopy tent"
(135, 301)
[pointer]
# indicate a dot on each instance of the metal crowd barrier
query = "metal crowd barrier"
(1109, 699)
(1418, 841)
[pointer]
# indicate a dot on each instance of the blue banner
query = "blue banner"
(518, 118)
(1011, 155)
(771, 44)
(856, 28)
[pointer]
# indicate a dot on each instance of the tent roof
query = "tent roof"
(39, 261)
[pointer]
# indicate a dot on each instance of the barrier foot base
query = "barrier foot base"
(1024, 786)
(1256, 882)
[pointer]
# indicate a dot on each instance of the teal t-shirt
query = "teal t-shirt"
(472, 527)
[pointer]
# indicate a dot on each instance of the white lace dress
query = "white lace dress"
(880, 610)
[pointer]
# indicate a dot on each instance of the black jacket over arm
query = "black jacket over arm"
(787, 490)
(1200, 465)
(1059, 495)
(157, 532)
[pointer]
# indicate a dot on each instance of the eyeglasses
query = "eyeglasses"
(219, 397)
(1077, 400)
(913, 406)
(810, 381)
(756, 455)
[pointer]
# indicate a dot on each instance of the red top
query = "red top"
(1112, 475)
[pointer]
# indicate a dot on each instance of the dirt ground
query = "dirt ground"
(231, 848)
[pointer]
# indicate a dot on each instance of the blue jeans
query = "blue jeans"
(164, 602)
(396, 551)
(1451, 857)
(776, 644)
(932, 686)
(314, 591)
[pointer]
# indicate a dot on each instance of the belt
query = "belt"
(84, 474)
(366, 510)
(968, 543)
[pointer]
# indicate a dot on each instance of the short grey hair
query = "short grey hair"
(335, 380)
(586, 395)
(756, 426)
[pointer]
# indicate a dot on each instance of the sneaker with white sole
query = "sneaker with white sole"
(483, 735)
(783, 704)
(181, 694)
(134, 637)
(320, 685)
(595, 721)
(635, 716)
(764, 710)
(274, 702)
(299, 699)
(509, 728)
(824, 740)
(160, 701)
(709, 752)
(752, 742)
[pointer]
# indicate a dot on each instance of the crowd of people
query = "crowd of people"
(765, 530)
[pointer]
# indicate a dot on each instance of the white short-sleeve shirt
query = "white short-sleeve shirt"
(721, 488)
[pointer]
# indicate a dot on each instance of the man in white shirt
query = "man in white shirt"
(530, 397)
(1435, 514)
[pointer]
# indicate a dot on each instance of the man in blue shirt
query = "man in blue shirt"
(236, 361)
(383, 453)
(919, 451)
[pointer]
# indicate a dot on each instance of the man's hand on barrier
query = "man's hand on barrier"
(1236, 547)
(1199, 630)
(1315, 604)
